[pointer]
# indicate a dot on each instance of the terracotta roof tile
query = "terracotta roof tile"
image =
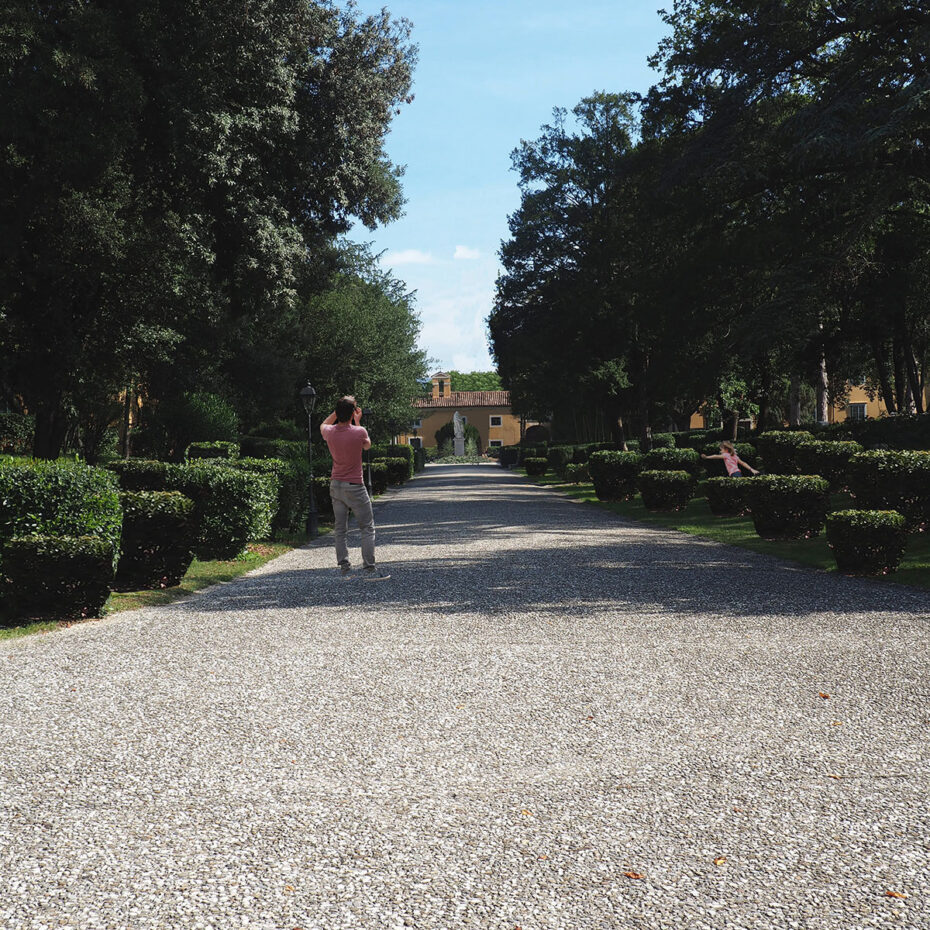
(466, 399)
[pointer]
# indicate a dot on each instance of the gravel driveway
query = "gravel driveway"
(547, 718)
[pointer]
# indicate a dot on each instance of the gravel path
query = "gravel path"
(547, 718)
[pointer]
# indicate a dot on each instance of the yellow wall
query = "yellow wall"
(480, 417)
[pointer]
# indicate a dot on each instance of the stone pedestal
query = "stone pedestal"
(459, 445)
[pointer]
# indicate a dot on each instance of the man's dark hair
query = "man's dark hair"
(345, 407)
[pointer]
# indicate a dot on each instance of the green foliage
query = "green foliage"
(16, 431)
(212, 450)
(666, 490)
(830, 460)
(379, 477)
(323, 498)
(536, 466)
(158, 540)
(258, 447)
(419, 459)
(727, 497)
(788, 507)
(897, 481)
(669, 459)
(614, 474)
(57, 577)
(59, 499)
(576, 473)
(291, 481)
(558, 457)
(398, 469)
(867, 542)
(401, 452)
(198, 417)
(474, 381)
(140, 474)
(694, 439)
(899, 432)
(509, 456)
(663, 441)
(230, 507)
(779, 450)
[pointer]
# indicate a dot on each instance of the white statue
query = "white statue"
(458, 425)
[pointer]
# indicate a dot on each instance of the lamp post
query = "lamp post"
(308, 396)
(366, 413)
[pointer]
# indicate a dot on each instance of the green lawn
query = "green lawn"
(697, 520)
(200, 575)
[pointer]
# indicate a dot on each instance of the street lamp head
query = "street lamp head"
(308, 396)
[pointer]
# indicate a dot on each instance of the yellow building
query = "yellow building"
(488, 411)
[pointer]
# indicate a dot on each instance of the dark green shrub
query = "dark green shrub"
(16, 431)
(419, 458)
(324, 501)
(581, 454)
(897, 433)
(663, 441)
(788, 506)
(867, 542)
(139, 474)
(830, 460)
(379, 477)
(402, 452)
(893, 481)
(727, 497)
(231, 507)
(632, 445)
(614, 474)
(666, 490)
(558, 457)
(169, 427)
(212, 450)
(58, 499)
(510, 456)
(398, 469)
(577, 473)
(694, 438)
(446, 434)
(778, 450)
(157, 547)
(292, 478)
(259, 447)
(493, 452)
(57, 577)
(673, 460)
(536, 466)
(282, 429)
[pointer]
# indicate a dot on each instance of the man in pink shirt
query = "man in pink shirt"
(346, 441)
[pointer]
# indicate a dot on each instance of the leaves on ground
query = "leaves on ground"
(824, 695)
(720, 860)
(635, 875)
(895, 894)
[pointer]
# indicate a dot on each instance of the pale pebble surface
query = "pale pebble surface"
(548, 718)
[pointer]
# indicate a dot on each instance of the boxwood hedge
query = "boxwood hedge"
(140, 474)
(779, 449)
(666, 489)
(727, 497)
(893, 481)
(867, 542)
(614, 474)
(788, 506)
(212, 450)
(830, 460)
(576, 473)
(673, 460)
(536, 466)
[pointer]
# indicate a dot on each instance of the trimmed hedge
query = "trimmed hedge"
(406, 453)
(830, 460)
(59, 499)
(581, 454)
(158, 540)
(666, 490)
(16, 432)
(779, 448)
(614, 474)
(893, 481)
(57, 577)
(260, 447)
(694, 438)
(324, 501)
(231, 507)
(663, 441)
(379, 477)
(509, 457)
(419, 458)
(536, 466)
(673, 460)
(212, 450)
(788, 506)
(398, 469)
(292, 480)
(558, 457)
(577, 473)
(727, 497)
(140, 474)
(867, 542)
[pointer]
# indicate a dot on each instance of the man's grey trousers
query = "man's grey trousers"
(353, 497)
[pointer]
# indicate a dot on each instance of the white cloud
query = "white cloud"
(464, 253)
(407, 257)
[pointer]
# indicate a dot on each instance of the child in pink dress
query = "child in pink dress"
(731, 461)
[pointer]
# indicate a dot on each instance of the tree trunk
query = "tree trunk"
(730, 419)
(765, 400)
(913, 378)
(642, 405)
(881, 368)
(823, 391)
(794, 402)
(50, 430)
(900, 376)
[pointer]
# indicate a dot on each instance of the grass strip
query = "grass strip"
(697, 520)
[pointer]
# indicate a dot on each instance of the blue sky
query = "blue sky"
(489, 75)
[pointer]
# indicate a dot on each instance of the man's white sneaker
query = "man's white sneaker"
(374, 574)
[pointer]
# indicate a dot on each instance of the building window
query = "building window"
(416, 442)
(442, 388)
(856, 412)
(417, 424)
(496, 442)
(497, 421)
